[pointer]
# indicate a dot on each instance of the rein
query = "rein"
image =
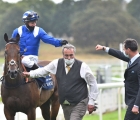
(10, 87)
(20, 72)
(18, 84)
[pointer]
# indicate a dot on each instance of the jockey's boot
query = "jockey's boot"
(35, 66)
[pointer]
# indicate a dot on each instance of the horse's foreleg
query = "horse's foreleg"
(9, 114)
(54, 100)
(31, 114)
(45, 109)
(54, 105)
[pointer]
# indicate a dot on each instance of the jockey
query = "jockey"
(30, 36)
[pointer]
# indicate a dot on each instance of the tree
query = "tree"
(134, 9)
(104, 23)
(61, 18)
(3, 21)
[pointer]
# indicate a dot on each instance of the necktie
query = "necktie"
(68, 68)
(129, 63)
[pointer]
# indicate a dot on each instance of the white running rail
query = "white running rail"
(117, 85)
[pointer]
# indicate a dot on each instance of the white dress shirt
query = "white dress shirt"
(135, 57)
(85, 73)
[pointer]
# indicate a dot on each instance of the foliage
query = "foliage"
(64, 15)
(89, 21)
(104, 23)
(8, 27)
(134, 8)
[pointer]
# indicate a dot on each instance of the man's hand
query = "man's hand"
(135, 110)
(100, 47)
(64, 42)
(26, 74)
(92, 108)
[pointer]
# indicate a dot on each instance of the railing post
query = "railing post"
(100, 105)
(119, 86)
(119, 103)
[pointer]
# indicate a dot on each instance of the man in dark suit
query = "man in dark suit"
(131, 75)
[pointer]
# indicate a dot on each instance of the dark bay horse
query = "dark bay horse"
(19, 96)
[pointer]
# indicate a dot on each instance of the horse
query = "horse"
(21, 96)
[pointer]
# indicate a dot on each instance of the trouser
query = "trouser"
(75, 112)
(30, 60)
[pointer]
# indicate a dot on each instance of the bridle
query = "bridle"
(13, 70)
(12, 67)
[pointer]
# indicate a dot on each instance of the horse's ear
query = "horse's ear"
(6, 37)
(17, 38)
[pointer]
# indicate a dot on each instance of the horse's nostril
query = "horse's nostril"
(8, 71)
(15, 72)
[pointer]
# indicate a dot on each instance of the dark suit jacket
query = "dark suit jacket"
(132, 78)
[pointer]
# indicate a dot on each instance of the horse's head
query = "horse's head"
(12, 56)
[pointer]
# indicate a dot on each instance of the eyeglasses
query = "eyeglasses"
(68, 55)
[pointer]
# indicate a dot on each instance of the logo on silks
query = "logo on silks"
(48, 84)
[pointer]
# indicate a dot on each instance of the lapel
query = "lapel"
(134, 63)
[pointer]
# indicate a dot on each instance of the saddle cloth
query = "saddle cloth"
(45, 82)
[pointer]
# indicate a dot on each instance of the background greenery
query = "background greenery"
(106, 116)
(84, 22)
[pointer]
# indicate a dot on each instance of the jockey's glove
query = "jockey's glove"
(64, 42)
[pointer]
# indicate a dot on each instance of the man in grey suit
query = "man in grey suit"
(131, 75)
(72, 76)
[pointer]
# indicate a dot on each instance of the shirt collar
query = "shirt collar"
(70, 65)
(134, 58)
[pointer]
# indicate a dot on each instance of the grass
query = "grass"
(106, 116)
(49, 52)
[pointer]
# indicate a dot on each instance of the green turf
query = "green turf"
(106, 116)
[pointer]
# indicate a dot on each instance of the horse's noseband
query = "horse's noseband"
(13, 69)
